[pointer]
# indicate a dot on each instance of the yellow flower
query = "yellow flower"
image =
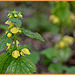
(22, 53)
(20, 15)
(68, 40)
(25, 51)
(15, 30)
(15, 15)
(9, 35)
(8, 44)
(62, 44)
(56, 20)
(9, 23)
(9, 15)
(51, 17)
(17, 43)
(15, 54)
(72, 16)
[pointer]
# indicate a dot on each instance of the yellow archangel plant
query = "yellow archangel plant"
(15, 55)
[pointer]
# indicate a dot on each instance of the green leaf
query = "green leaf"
(16, 21)
(31, 34)
(50, 53)
(57, 67)
(3, 27)
(71, 70)
(3, 40)
(46, 61)
(34, 57)
(5, 60)
(65, 54)
(21, 66)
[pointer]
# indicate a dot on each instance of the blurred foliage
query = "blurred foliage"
(71, 70)
(38, 23)
(50, 53)
(57, 67)
(73, 5)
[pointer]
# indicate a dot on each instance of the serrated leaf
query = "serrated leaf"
(16, 21)
(34, 57)
(3, 27)
(31, 34)
(50, 53)
(21, 66)
(71, 70)
(3, 40)
(5, 60)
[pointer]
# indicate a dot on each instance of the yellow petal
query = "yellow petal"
(8, 44)
(17, 43)
(9, 35)
(62, 44)
(15, 54)
(15, 30)
(9, 23)
(22, 53)
(25, 51)
(15, 15)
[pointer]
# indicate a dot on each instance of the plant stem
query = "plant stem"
(14, 41)
(62, 31)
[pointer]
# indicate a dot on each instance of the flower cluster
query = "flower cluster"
(12, 31)
(14, 14)
(17, 53)
(66, 40)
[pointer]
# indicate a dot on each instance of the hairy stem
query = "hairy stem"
(15, 42)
